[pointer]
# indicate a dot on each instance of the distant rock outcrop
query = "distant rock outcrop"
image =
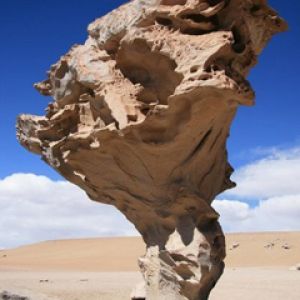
(234, 246)
(140, 118)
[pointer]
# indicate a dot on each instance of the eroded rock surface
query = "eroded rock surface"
(140, 118)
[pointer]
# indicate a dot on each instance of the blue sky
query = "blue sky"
(34, 34)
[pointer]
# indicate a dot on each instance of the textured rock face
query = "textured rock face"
(140, 118)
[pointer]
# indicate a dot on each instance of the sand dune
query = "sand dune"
(120, 254)
(258, 267)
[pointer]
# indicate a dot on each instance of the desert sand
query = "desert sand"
(258, 267)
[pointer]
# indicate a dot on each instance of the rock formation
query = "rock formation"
(140, 118)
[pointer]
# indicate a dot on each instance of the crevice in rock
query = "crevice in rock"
(205, 23)
(200, 144)
(215, 2)
(255, 9)
(239, 44)
(164, 21)
(181, 258)
(62, 70)
(216, 140)
(173, 2)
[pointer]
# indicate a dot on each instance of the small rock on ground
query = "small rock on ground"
(7, 296)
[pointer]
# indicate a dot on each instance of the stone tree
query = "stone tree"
(139, 120)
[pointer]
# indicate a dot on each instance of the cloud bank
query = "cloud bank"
(35, 208)
(274, 183)
(276, 174)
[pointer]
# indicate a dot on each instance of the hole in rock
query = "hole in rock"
(131, 118)
(239, 44)
(216, 68)
(204, 77)
(200, 24)
(173, 2)
(194, 69)
(193, 31)
(196, 18)
(90, 92)
(255, 8)
(145, 110)
(62, 70)
(214, 2)
(154, 71)
(164, 21)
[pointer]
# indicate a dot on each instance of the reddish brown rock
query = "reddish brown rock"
(140, 118)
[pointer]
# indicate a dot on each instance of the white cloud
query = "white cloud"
(277, 174)
(34, 208)
(274, 181)
(273, 214)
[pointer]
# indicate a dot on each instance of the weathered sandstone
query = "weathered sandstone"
(140, 118)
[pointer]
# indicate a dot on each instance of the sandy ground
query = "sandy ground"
(105, 269)
(236, 284)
